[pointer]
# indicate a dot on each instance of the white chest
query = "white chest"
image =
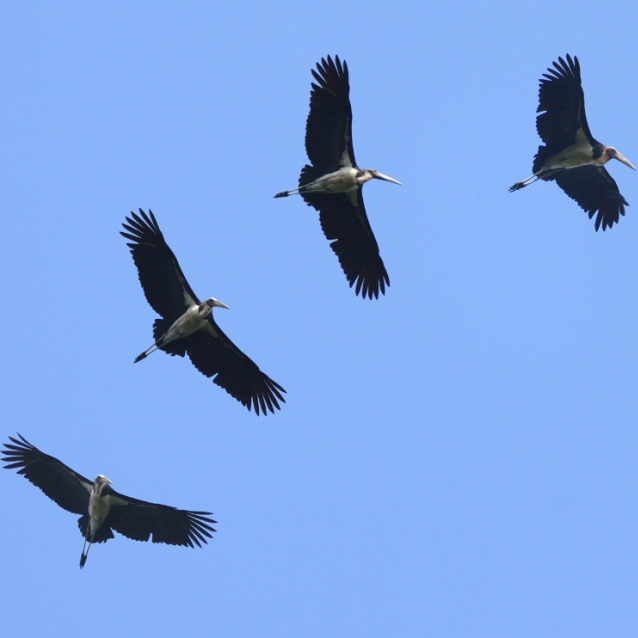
(188, 323)
(341, 181)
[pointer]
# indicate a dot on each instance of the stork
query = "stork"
(571, 155)
(187, 325)
(101, 508)
(333, 183)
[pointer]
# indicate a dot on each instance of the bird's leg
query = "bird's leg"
(306, 188)
(156, 346)
(524, 183)
(145, 354)
(286, 193)
(85, 549)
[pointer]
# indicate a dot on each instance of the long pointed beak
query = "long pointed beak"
(219, 304)
(386, 178)
(624, 160)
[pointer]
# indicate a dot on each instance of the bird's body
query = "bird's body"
(102, 510)
(195, 318)
(571, 155)
(580, 153)
(345, 180)
(187, 325)
(101, 500)
(332, 183)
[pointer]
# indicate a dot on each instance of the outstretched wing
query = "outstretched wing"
(162, 279)
(70, 490)
(329, 123)
(139, 520)
(214, 354)
(344, 220)
(561, 104)
(595, 191)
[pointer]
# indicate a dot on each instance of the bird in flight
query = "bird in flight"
(332, 183)
(570, 155)
(187, 325)
(103, 510)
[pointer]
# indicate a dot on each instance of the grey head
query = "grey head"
(374, 174)
(100, 483)
(206, 306)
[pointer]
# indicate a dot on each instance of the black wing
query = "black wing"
(213, 353)
(163, 281)
(60, 483)
(595, 191)
(346, 222)
(329, 123)
(561, 104)
(139, 520)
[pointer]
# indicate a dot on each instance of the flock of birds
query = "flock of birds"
(332, 184)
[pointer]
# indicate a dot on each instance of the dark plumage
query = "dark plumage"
(332, 184)
(571, 155)
(170, 295)
(102, 510)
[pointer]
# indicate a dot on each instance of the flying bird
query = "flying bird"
(103, 510)
(571, 156)
(187, 325)
(332, 184)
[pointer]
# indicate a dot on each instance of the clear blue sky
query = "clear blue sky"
(455, 459)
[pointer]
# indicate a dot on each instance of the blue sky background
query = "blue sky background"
(455, 459)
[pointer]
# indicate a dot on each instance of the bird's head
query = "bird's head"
(211, 303)
(100, 483)
(612, 153)
(376, 175)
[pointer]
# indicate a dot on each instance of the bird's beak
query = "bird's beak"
(386, 178)
(624, 160)
(219, 304)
